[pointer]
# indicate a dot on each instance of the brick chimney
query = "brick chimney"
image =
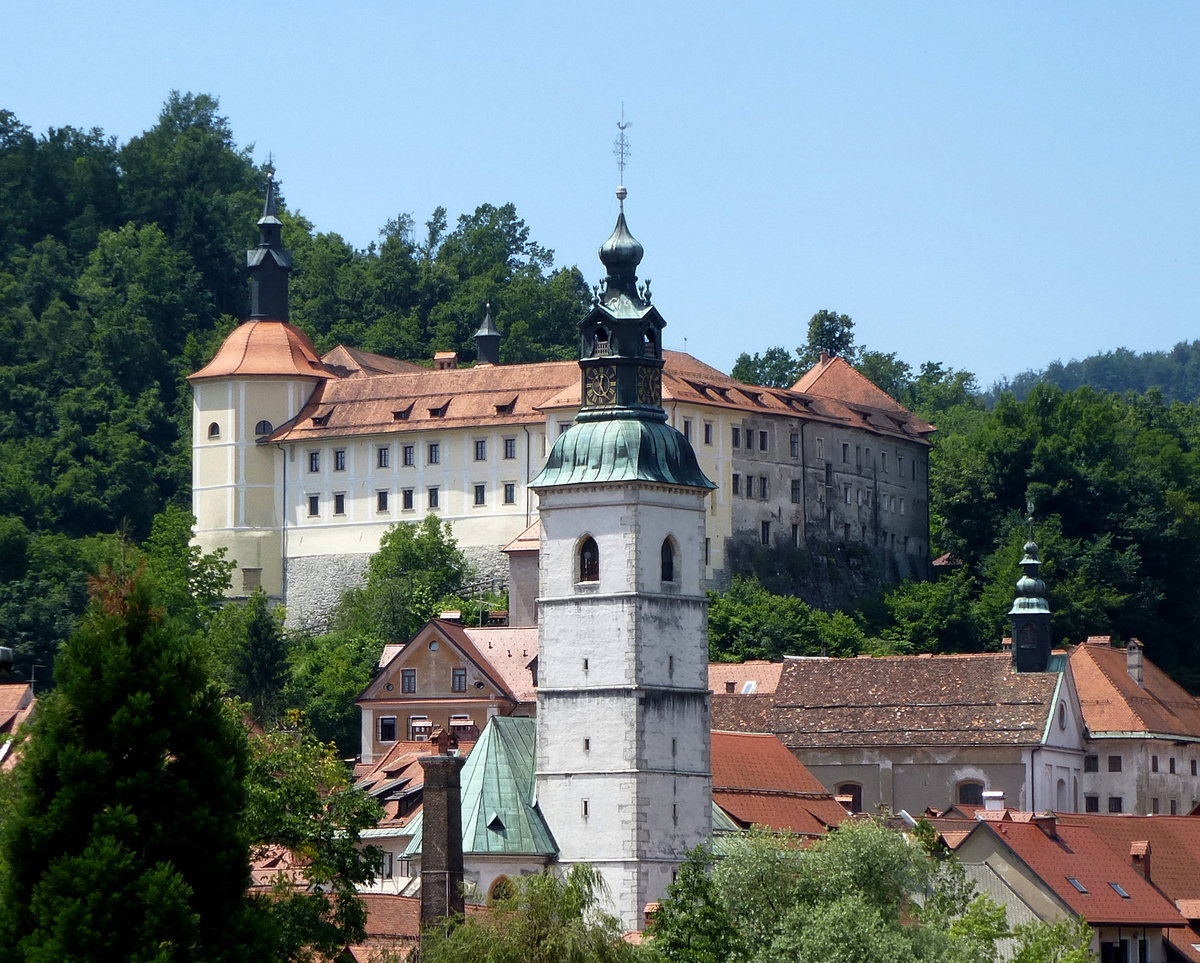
(1047, 823)
(445, 360)
(1133, 660)
(1139, 855)
(441, 834)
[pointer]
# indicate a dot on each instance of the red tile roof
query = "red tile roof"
(1113, 702)
(510, 651)
(764, 675)
(529, 540)
(265, 348)
(1077, 852)
(352, 363)
(940, 700)
(758, 782)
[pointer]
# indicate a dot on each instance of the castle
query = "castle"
(301, 462)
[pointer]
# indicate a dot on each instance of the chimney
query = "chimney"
(445, 360)
(993, 800)
(824, 356)
(1139, 855)
(1047, 823)
(730, 686)
(1133, 660)
(441, 834)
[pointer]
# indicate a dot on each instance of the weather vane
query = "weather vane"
(621, 144)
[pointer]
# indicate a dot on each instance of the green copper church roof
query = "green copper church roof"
(621, 450)
(499, 810)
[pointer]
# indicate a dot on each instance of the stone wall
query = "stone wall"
(314, 586)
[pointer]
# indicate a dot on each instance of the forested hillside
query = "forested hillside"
(122, 268)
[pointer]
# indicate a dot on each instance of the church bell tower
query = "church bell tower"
(623, 765)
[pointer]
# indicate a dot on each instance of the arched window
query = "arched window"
(600, 344)
(263, 428)
(854, 791)
(1060, 796)
(214, 430)
(589, 560)
(501, 889)
(649, 343)
(970, 793)
(668, 559)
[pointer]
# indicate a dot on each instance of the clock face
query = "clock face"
(649, 386)
(601, 386)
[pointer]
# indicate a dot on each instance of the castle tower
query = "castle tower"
(623, 769)
(260, 378)
(1030, 614)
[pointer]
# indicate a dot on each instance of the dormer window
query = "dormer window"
(214, 430)
(589, 560)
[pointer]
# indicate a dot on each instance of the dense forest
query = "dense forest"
(121, 269)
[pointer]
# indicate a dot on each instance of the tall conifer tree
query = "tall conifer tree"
(125, 840)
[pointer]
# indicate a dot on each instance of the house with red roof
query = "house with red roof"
(1143, 750)
(17, 703)
(1053, 868)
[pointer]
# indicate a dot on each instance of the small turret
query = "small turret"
(487, 340)
(1030, 613)
(269, 264)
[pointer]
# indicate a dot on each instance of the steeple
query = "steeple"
(487, 340)
(621, 432)
(1030, 612)
(268, 263)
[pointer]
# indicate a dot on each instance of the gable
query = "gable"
(433, 653)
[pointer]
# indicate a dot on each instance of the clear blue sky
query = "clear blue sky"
(991, 185)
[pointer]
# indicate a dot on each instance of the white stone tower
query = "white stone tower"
(261, 377)
(623, 768)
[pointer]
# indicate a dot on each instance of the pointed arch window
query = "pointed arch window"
(667, 555)
(589, 560)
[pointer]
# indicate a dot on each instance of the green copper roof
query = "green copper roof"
(499, 810)
(622, 449)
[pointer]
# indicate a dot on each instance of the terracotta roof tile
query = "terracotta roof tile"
(510, 651)
(351, 363)
(529, 540)
(764, 675)
(265, 348)
(1113, 702)
(899, 700)
(1077, 852)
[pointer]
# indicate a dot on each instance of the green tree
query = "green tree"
(1068, 941)
(832, 333)
(547, 919)
(190, 582)
(775, 368)
(126, 839)
(249, 648)
(691, 925)
(300, 800)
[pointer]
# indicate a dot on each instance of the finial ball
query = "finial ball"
(622, 193)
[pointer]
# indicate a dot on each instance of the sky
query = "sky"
(991, 185)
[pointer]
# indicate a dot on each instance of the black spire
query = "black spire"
(487, 340)
(1030, 613)
(268, 263)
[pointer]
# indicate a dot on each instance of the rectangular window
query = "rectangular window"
(339, 459)
(406, 499)
(1154, 763)
(765, 532)
(408, 456)
(435, 453)
(857, 456)
(408, 680)
(583, 808)
(1193, 767)
(845, 453)
(1171, 765)
(797, 490)
(480, 493)
(339, 503)
(480, 449)
(820, 449)
(901, 506)
(1091, 804)
(314, 505)
(381, 501)
(795, 536)
(1091, 763)
(1116, 804)
(763, 490)
(1174, 807)
(1114, 763)
(564, 426)
(737, 483)
(433, 497)
(795, 443)
(314, 461)
(1154, 806)
(687, 428)
(846, 494)
(382, 456)
(458, 680)
(388, 864)
(749, 486)
(510, 448)
(900, 465)
(762, 441)
(387, 729)
(510, 493)
(419, 728)
(883, 461)
(708, 557)
(708, 433)
(736, 434)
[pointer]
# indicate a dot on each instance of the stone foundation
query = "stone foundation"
(314, 586)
